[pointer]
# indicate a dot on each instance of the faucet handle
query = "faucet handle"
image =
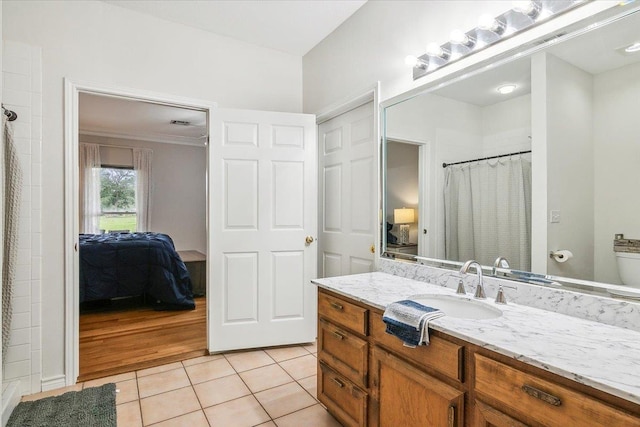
(500, 298)
(461, 290)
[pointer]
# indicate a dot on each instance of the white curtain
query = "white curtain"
(89, 188)
(488, 211)
(142, 164)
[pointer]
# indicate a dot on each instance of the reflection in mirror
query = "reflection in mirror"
(548, 165)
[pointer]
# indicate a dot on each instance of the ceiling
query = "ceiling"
(594, 52)
(130, 119)
(289, 26)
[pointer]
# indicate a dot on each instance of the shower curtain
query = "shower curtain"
(487, 211)
(12, 193)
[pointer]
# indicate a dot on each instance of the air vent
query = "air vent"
(180, 122)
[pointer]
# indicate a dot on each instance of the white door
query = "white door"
(263, 206)
(348, 173)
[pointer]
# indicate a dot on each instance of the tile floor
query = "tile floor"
(266, 388)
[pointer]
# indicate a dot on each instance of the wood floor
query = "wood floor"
(128, 339)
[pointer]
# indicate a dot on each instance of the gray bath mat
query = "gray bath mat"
(92, 407)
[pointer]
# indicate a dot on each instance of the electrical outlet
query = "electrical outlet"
(554, 217)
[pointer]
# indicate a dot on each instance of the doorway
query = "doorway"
(128, 322)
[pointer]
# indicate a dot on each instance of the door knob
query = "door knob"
(309, 240)
(373, 249)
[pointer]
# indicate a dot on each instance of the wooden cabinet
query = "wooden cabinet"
(407, 396)
(366, 377)
(196, 263)
(538, 401)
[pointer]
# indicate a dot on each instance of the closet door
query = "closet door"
(262, 220)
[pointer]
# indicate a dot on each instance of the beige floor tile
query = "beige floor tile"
(301, 367)
(311, 385)
(168, 405)
(311, 348)
(284, 399)
(49, 393)
(314, 416)
(286, 353)
(221, 390)
(266, 377)
(249, 360)
(243, 412)
(201, 359)
(126, 391)
(128, 414)
(111, 379)
(158, 369)
(269, 424)
(194, 419)
(164, 381)
(208, 371)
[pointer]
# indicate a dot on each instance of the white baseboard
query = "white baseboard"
(52, 383)
(10, 399)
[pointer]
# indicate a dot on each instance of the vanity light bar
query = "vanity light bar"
(490, 30)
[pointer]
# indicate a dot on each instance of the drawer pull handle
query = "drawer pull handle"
(542, 395)
(452, 416)
(336, 306)
(338, 335)
(338, 382)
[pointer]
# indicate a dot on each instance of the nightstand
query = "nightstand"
(407, 248)
(196, 263)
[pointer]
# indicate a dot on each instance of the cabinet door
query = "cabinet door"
(407, 396)
(486, 416)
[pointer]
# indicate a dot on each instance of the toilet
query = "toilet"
(629, 268)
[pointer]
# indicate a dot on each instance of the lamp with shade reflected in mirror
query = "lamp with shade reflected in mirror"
(404, 217)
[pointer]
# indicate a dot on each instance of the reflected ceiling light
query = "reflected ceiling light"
(489, 23)
(507, 89)
(633, 48)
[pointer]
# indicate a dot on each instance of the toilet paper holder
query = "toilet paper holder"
(560, 255)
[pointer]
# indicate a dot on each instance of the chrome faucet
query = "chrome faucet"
(500, 262)
(479, 294)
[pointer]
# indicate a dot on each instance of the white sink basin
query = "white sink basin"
(461, 307)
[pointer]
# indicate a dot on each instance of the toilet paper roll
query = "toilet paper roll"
(562, 255)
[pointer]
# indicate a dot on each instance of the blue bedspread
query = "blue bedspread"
(130, 264)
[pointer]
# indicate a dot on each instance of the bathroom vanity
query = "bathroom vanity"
(527, 367)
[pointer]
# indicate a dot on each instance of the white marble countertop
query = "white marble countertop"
(595, 354)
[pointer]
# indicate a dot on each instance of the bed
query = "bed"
(114, 265)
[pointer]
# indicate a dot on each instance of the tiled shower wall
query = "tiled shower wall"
(22, 93)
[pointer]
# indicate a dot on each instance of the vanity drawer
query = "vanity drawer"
(441, 355)
(344, 352)
(542, 401)
(343, 313)
(343, 399)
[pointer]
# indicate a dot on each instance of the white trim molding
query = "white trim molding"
(53, 383)
(72, 90)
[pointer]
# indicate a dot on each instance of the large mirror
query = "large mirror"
(535, 159)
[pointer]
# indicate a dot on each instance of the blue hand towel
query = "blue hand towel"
(409, 321)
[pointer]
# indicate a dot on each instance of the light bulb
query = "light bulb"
(530, 8)
(411, 61)
(506, 89)
(489, 23)
(458, 37)
(434, 50)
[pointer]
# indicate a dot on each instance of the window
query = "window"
(117, 199)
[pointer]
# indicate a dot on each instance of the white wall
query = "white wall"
(91, 41)
(22, 86)
(506, 126)
(178, 187)
(617, 165)
(570, 175)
